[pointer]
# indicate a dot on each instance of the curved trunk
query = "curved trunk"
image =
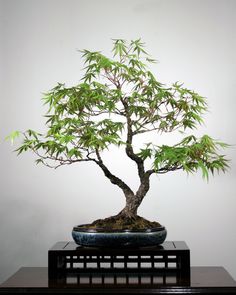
(131, 207)
(133, 201)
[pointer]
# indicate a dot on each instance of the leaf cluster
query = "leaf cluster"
(191, 155)
(117, 97)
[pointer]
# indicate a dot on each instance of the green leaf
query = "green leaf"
(120, 47)
(222, 144)
(33, 133)
(145, 153)
(38, 161)
(74, 152)
(138, 46)
(204, 169)
(13, 135)
(151, 60)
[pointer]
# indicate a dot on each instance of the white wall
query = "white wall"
(194, 40)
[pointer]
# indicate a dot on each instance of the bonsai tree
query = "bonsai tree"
(118, 100)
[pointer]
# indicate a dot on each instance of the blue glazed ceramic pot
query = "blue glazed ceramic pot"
(118, 238)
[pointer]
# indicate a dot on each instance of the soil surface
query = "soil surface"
(120, 222)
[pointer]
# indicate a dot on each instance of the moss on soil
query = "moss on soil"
(119, 222)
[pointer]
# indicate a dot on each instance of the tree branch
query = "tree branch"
(145, 130)
(60, 160)
(113, 179)
(163, 170)
(129, 148)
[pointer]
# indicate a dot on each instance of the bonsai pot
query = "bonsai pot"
(102, 237)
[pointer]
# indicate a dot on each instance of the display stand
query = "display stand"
(167, 264)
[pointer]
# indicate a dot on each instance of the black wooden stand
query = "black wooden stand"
(167, 264)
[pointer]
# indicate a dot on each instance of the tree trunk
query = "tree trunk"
(131, 208)
(133, 201)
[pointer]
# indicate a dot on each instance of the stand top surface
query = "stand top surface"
(201, 277)
(166, 246)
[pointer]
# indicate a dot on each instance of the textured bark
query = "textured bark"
(113, 179)
(131, 208)
(133, 201)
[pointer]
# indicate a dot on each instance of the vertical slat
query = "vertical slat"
(85, 261)
(185, 266)
(153, 261)
(98, 262)
(139, 261)
(139, 279)
(112, 262)
(52, 265)
(125, 261)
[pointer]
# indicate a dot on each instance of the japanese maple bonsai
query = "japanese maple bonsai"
(117, 100)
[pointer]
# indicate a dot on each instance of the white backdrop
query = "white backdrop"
(194, 41)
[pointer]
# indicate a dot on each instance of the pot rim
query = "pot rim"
(81, 228)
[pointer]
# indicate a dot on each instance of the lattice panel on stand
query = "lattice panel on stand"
(171, 259)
